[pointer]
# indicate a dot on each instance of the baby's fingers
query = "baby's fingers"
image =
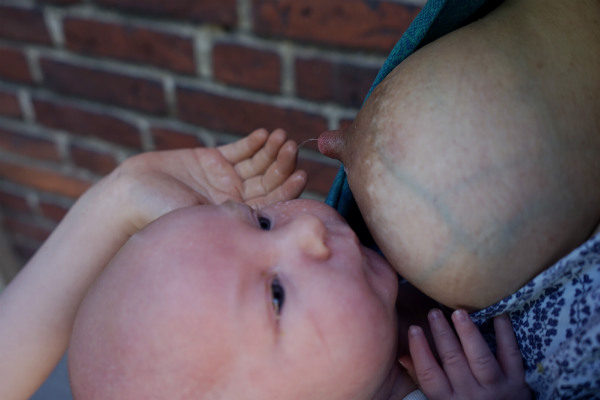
(431, 377)
(275, 175)
(451, 352)
(260, 161)
(508, 353)
(244, 148)
(291, 188)
(282, 167)
(481, 360)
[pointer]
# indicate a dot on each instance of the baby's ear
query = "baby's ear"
(331, 144)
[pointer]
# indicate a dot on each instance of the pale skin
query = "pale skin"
(244, 300)
(476, 163)
(38, 308)
(468, 368)
(36, 323)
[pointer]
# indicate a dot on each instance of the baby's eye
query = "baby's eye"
(264, 223)
(277, 295)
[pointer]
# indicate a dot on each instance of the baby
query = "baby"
(226, 302)
(210, 298)
(222, 301)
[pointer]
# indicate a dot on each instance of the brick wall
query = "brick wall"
(86, 83)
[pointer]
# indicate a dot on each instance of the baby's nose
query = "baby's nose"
(310, 234)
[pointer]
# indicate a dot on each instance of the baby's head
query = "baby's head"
(223, 302)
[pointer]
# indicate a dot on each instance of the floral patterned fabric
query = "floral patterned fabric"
(556, 317)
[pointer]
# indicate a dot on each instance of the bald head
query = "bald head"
(140, 332)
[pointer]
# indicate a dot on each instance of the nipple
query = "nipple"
(331, 144)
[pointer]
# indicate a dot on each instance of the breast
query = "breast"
(472, 185)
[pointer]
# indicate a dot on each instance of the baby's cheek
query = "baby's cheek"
(371, 346)
(370, 333)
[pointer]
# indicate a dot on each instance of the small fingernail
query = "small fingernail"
(414, 331)
(460, 315)
(435, 314)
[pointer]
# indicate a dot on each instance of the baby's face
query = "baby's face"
(279, 303)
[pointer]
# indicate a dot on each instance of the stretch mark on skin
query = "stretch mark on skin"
(537, 206)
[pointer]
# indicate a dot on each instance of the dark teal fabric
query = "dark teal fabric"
(437, 18)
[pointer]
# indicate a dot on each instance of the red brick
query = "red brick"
(9, 104)
(320, 175)
(340, 82)
(24, 24)
(26, 229)
(130, 43)
(221, 12)
(141, 94)
(53, 211)
(13, 202)
(315, 79)
(169, 139)
(359, 24)
(238, 116)
(249, 67)
(94, 160)
(79, 121)
(43, 179)
(29, 146)
(14, 65)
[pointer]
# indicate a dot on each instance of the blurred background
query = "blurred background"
(85, 84)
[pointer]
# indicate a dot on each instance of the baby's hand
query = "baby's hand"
(258, 170)
(470, 371)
